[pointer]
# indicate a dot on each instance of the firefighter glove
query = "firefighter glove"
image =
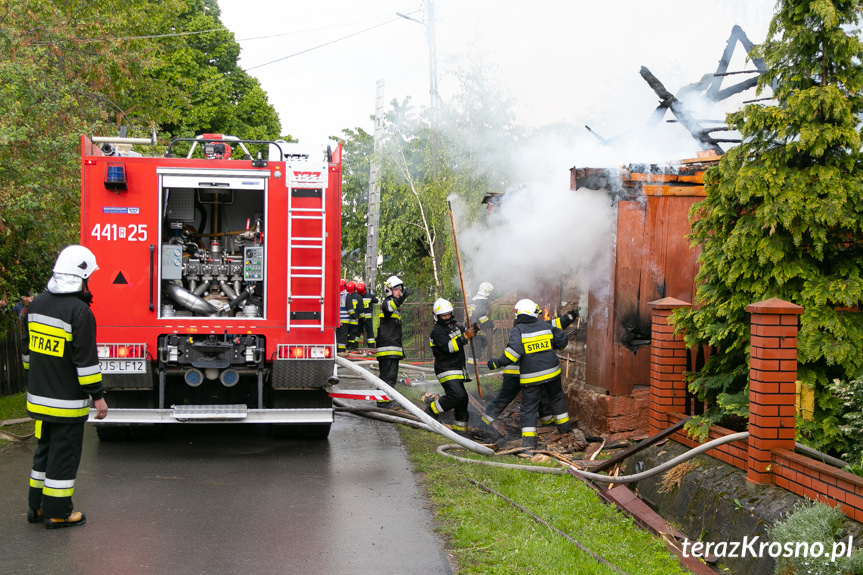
(469, 334)
(406, 291)
(492, 364)
(573, 314)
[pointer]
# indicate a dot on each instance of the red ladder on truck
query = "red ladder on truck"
(307, 188)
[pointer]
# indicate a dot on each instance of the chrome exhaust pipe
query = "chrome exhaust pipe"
(189, 300)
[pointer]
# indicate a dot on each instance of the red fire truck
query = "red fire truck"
(217, 297)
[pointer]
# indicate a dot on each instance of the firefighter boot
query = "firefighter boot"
(75, 518)
(430, 412)
(34, 515)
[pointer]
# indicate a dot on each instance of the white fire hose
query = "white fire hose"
(667, 465)
(409, 405)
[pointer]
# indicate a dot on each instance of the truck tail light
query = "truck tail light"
(122, 350)
(305, 352)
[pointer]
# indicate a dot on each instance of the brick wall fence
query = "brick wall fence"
(767, 455)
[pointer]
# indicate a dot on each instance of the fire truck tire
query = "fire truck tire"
(301, 399)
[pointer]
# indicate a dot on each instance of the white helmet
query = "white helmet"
(392, 283)
(526, 307)
(485, 290)
(441, 306)
(77, 261)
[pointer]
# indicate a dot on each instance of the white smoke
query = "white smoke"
(537, 235)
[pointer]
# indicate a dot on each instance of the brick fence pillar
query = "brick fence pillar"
(772, 377)
(668, 356)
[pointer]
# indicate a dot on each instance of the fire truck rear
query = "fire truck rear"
(217, 296)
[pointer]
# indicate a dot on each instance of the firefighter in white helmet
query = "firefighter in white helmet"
(532, 342)
(447, 341)
(64, 376)
(479, 311)
(389, 349)
(511, 386)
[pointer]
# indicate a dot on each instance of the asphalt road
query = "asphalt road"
(229, 500)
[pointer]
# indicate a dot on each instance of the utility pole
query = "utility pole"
(430, 29)
(374, 192)
(430, 33)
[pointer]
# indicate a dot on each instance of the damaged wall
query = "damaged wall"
(650, 259)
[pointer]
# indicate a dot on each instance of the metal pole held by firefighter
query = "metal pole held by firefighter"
(464, 295)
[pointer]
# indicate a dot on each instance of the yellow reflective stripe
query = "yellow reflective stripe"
(88, 379)
(38, 429)
(37, 483)
(435, 407)
(51, 492)
(459, 427)
(542, 377)
(509, 355)
(57, 411)
(536, 338)
(389, 353)
(528, 433)
(453, 344)
(50, 330)
(563, 419)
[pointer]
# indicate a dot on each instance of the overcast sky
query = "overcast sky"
(563, 61)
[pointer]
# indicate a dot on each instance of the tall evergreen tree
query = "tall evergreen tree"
(783, 216)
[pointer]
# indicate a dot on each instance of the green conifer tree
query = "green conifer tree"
(783, 216)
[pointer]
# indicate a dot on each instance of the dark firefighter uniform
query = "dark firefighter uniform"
(531, 345)
(367, 327)
(63, 375)
(511, 385)
(389, 349)
(354, 307)
(342, 332)
(448, 342)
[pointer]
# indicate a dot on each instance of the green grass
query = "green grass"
(13, 407)
(488, 535)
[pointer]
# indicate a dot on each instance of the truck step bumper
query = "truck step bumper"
(215, 414)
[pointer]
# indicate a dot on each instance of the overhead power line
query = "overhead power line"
(321, 45)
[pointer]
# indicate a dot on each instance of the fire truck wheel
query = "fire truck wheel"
(301, 399)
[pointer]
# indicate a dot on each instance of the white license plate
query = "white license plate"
(123, 365)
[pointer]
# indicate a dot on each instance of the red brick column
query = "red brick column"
(668, 357)
(772, 377)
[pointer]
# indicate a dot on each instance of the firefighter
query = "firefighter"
(532, 342)
(478, 311)
(447, 341)
(342, 331)
(354, 306)
(367, 328)
(389, 349)
(64, 375)
(510, 387)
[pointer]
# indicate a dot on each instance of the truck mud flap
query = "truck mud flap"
(301, 373)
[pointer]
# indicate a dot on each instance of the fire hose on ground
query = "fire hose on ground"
(413, 409)
(429, 424)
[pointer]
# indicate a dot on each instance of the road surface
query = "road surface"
(229, 499)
